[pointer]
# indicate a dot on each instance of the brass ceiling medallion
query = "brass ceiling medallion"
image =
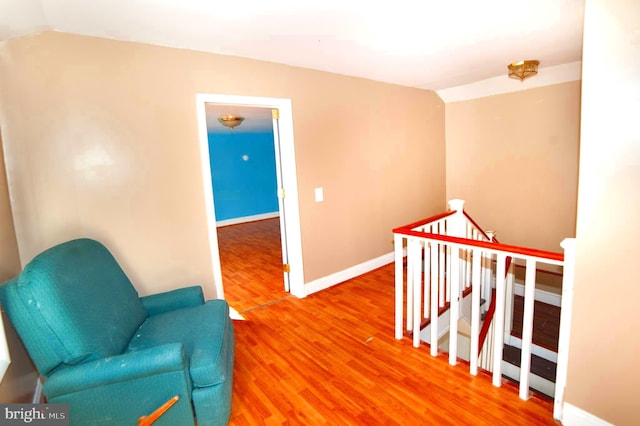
(523, 69)
(230, 121)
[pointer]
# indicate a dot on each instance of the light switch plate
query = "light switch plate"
(319, 195)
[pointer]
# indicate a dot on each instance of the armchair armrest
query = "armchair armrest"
(127, 367)
(174, 299)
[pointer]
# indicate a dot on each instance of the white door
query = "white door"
(281, 196)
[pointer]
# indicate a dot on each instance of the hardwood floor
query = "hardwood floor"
(332, 359)
(251, 261)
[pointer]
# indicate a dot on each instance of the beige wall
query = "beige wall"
(603, 374)
(101, 138)
(9, 258)
(20, 378)
(514, 159)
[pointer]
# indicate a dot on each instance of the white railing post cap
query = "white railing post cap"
(456, 204)
(568, 243)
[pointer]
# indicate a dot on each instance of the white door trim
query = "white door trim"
(289, 182)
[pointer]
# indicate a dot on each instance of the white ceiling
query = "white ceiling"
(429, 44)
(256, 119)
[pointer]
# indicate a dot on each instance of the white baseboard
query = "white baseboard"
(38, 397)
(244, 219)
(535, 349)
(346, 274)
(574, 416)
(541, 295)
(536, 382)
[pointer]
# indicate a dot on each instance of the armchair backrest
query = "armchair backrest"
(71, 303)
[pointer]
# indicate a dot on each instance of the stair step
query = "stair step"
(539, 366)
(546, 323)
(425, 322)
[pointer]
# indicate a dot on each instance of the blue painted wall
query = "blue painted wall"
(243, 186)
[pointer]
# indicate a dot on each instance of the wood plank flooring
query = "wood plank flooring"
(332, 359)
(251, 261)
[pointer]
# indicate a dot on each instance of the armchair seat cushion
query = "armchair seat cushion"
(204, 334)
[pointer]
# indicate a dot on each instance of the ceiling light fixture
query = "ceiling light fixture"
(523, 69)
(230, 121)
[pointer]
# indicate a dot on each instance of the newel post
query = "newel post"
(458, 219)
(568, 279)
(399, 283)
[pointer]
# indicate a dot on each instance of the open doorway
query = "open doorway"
(244, 176)
(289, 229)
(251, 262)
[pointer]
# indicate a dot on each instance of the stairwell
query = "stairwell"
(452, 265)
(546, 325)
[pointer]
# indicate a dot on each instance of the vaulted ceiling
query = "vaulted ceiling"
(429, 44)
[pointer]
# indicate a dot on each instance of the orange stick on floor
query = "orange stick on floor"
(148, 420)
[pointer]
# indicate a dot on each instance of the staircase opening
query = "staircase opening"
(459, 292)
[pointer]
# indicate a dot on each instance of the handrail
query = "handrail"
(475, 224)
(496, 247)
(490, 312)
(487, 322)
(426, 221)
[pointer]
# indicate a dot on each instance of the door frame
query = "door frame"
(288, 178)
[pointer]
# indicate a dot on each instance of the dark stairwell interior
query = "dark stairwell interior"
(546, 326)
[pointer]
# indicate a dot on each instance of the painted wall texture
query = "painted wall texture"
(603, 378)
(243, 174)
(514, 159)
(101, 141)
(20, 378)
(9, 257)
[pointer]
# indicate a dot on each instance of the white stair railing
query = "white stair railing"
(432, 225)
(432, 264)
(485, 360)
(569, 246)
(446, 255)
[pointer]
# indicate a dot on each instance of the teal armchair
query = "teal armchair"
(114, 356)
